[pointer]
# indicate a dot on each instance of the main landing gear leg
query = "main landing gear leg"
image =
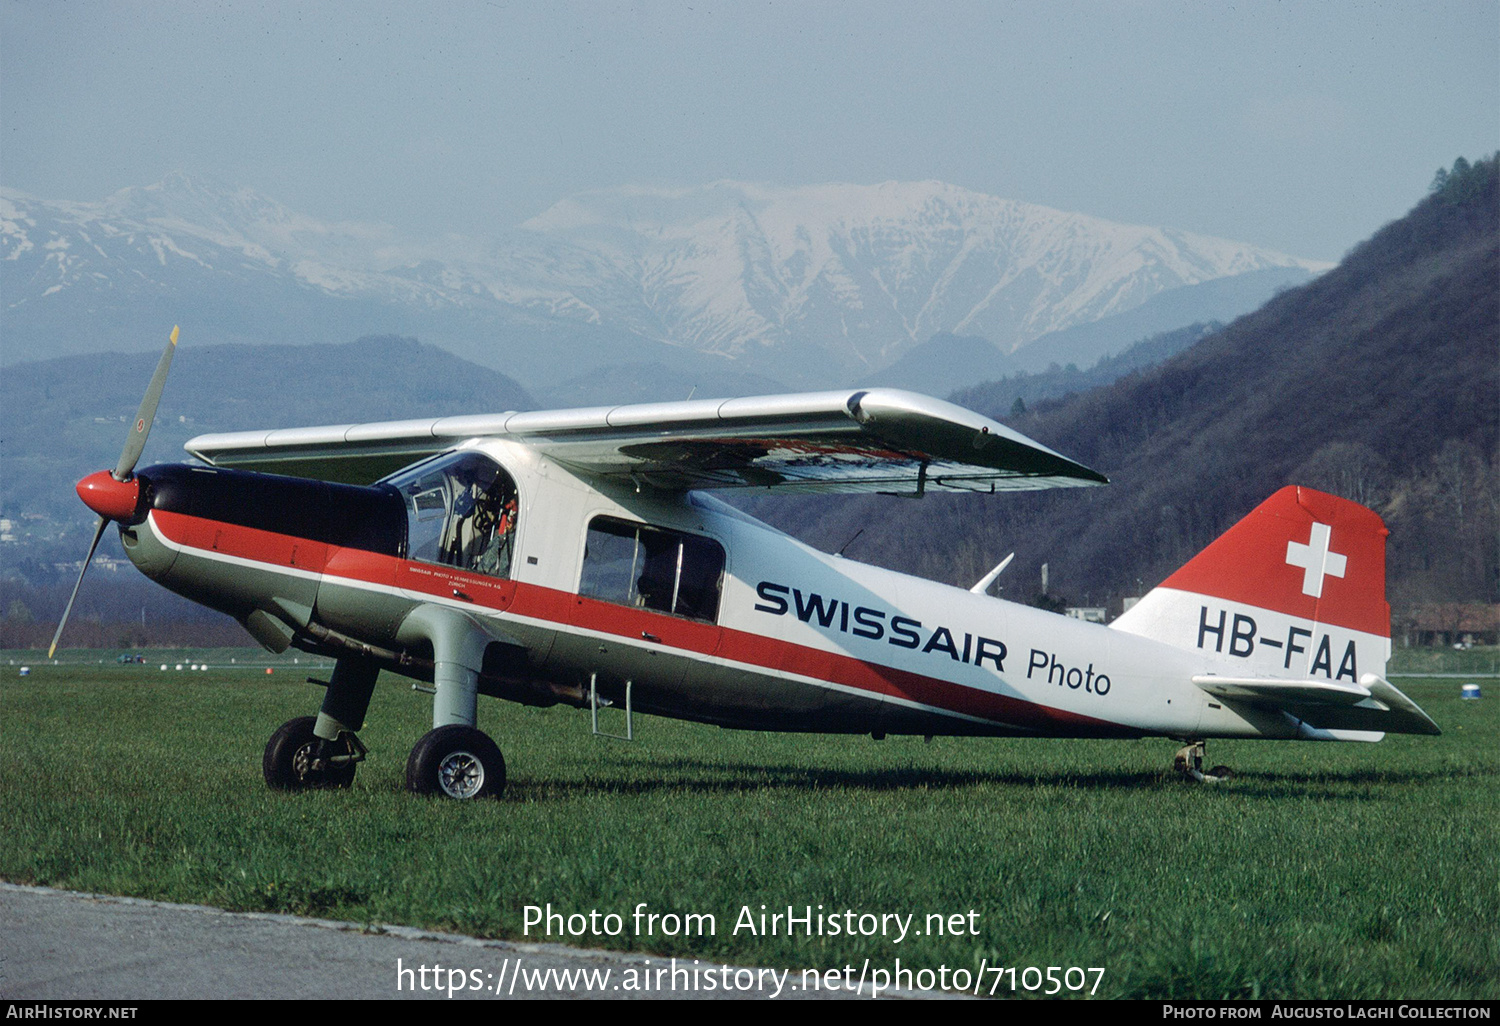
(454, 759)
(1189, 762)
(324, 752)
(347, 698)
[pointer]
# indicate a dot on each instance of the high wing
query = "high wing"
(876, 440)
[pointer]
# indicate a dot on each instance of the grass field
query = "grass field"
(1322, 871)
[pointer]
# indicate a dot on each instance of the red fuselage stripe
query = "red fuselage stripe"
(564, 610)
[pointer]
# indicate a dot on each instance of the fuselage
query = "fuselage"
(708, 613)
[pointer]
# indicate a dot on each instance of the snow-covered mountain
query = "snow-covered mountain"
(230, 265)
(188, 228)
(870, 271)
(812, 285)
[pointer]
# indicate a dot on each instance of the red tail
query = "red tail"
(1307, 554)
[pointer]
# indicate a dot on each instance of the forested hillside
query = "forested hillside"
(1012, 395)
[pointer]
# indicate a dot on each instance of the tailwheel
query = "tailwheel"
(1189, 762)
(456, 762)
(296, 759)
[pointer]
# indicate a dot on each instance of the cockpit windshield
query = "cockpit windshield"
(460, 511)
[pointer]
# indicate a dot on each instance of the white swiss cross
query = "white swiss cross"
(1315, 559)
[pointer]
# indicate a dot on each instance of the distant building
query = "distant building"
(1093, 614)
(1449, 623)
(109, 563)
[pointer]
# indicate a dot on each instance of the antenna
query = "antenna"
(988, 579)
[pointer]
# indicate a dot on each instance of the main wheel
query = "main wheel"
(457, 762)
(289, 763)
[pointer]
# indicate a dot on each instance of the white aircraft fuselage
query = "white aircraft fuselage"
(802, 640)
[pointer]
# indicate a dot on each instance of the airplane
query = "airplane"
(577, 557)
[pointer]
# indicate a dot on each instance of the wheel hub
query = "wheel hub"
(303, 762)
(460, 775)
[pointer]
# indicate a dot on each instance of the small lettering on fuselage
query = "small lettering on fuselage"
(1074, 677)
(1240, 637)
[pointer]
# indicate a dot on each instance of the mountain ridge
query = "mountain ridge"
(831, 281)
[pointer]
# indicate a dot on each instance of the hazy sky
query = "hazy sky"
(1302, 126)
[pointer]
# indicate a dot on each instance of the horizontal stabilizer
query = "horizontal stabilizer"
(1310, 733)
(1279, 692)
(1332, 707)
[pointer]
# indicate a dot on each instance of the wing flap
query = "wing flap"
(863, 441)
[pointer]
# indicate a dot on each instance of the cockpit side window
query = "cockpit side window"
(460, 511)
(652, 568)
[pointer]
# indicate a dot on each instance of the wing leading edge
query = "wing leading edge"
(876, 440)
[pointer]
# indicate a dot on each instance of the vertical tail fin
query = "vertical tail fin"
(1294, 590)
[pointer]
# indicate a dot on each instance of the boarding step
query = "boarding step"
(596, 703)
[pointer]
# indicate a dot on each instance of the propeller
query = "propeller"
(115, 494)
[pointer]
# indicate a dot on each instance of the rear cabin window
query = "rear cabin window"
(652, 568)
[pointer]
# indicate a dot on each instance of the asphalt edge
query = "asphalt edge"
(413, 933)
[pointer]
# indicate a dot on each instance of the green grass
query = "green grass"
(1322, 871)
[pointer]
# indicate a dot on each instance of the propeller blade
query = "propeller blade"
(135, 441)
(98, 533)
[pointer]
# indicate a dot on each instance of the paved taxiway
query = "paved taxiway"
(61, 945)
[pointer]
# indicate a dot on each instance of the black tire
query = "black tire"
(286, 763)
(456, 762)
(1222, 772)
